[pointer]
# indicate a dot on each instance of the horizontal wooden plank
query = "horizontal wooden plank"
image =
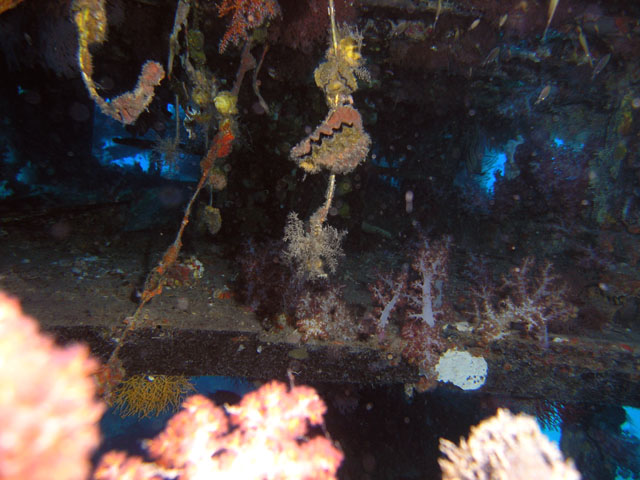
(568, 372)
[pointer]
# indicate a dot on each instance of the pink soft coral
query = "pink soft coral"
(48, 412)
(533, 300)
(261, 438)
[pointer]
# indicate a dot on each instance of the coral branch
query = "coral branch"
(265, 436)
(422, 298)
(247, 14)
(388, 294)
(426, 295)
(416, 298)
(533, 300)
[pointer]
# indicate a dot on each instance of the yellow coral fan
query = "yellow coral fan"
(147, 395)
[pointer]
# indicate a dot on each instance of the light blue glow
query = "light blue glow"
(572, 144)
(493, 162)
(631, 427)
(552, 434)
(393, 181)
(5, 191)
(390, 163)
(26, 174)
(140, 160)
(119, 154)
(108, 143)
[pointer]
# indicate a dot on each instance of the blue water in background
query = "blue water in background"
(631, 426)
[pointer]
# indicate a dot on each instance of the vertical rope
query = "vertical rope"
(334, 30)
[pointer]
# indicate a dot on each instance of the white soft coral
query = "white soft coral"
(426, 299)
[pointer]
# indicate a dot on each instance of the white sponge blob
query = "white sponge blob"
(462, 369)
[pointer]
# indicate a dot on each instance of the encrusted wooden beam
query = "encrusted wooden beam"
(240, 354)
(571, 371)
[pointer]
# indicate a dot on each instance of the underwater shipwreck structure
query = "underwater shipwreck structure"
(438, 194)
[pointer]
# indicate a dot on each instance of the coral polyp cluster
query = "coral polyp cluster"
(247, 15)
(336, 76)
(312, 251)
(324, 316)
